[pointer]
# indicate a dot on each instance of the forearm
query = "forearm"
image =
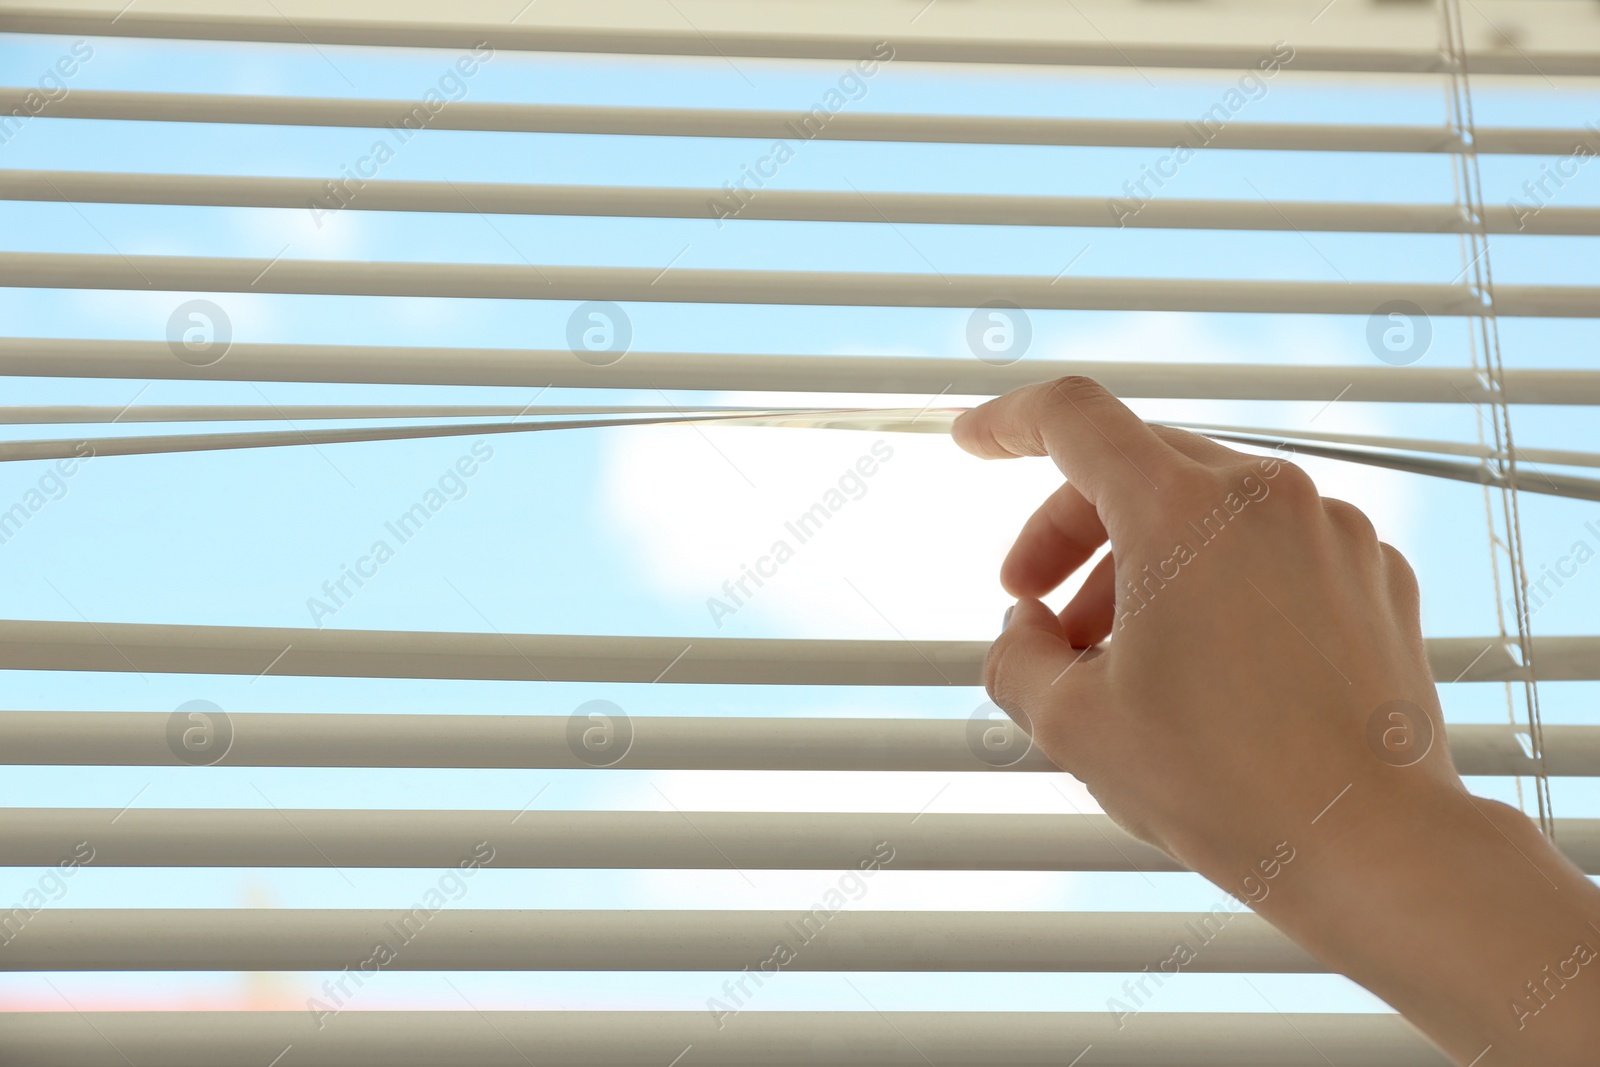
(1458, 912)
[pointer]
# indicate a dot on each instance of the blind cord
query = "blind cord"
(1480, 277)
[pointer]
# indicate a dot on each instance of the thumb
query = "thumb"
(1032, 666)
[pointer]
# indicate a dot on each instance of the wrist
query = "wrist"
(1370, 834)
(1471, 887)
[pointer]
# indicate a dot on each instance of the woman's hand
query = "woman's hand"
(1266, 691)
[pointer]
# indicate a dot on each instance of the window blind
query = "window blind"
(1356, 41)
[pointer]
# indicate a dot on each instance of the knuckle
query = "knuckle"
(1078, 386)
(1402, 578)
(1296, 486)
(1074, 391)
(1349, 518)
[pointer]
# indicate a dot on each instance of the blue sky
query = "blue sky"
(629, 531)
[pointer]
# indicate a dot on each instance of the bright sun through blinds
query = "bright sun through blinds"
(352, 717)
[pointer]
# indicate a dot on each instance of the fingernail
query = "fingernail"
(1007, 620)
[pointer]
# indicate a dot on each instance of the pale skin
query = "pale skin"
(1230, 711)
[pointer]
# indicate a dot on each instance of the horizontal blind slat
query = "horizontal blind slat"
(310, 652)
(1560, 457)
(925, 375)
(152, 444)
(519, 281)
(654, 742)
(413, 116)
(659, 840)
(885, 420)
(221, 190)
(856, 1038)
(1573, 486)
(65, 414)
(1368, 42)
(186, 837)
(303, 939)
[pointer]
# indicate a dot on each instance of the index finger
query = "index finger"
(1116, 461)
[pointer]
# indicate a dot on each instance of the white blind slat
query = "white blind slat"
(162, 648)
(776, 125)
(519, 281)
(656, 742)
(856, 1038)
(629, 840)
(304, 939)
(918, 375)
(804, 205)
